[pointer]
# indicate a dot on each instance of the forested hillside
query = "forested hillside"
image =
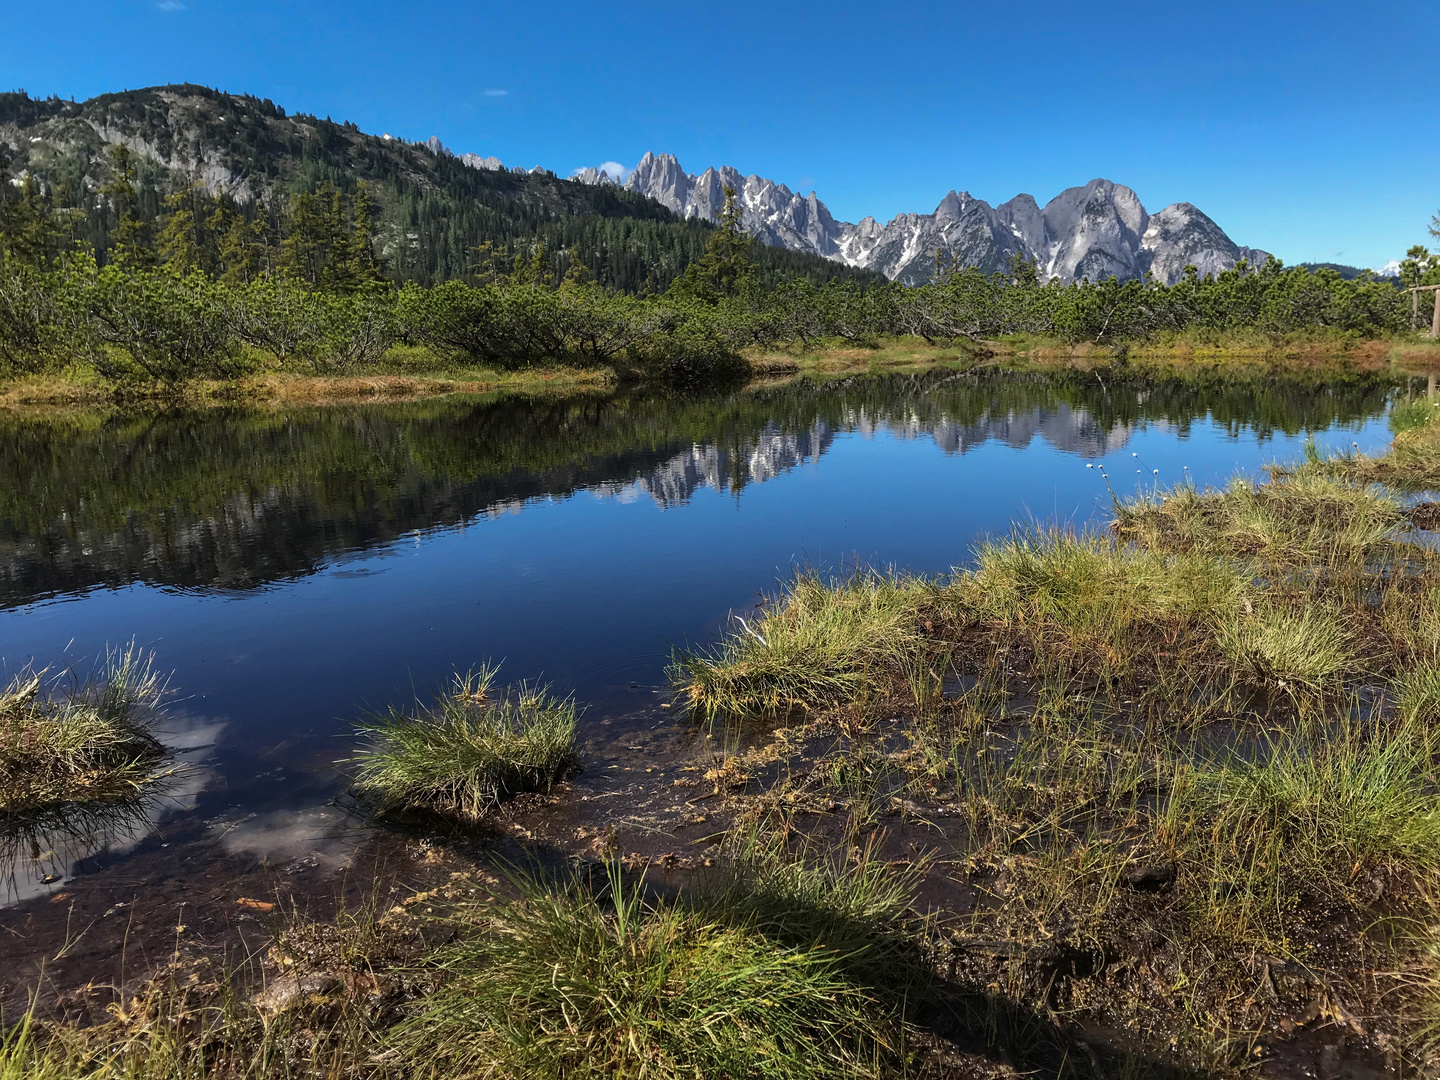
(435, 218)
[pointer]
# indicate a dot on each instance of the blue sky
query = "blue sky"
(1308, 129)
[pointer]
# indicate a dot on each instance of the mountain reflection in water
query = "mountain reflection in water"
(240, 498)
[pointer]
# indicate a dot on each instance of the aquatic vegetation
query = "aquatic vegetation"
(468, 751)
(79, 747)
(1412, 462)
(1161, 753)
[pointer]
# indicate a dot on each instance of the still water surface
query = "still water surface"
(296, 567)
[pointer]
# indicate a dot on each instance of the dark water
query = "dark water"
(295, 567)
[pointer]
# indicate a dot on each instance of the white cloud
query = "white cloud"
(497, 93)
(170, 5)
(617, 171)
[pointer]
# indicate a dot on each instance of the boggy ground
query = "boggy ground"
(1160, 802)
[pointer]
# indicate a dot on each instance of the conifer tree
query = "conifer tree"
(131, 238)
(726, 269)
(184, 241)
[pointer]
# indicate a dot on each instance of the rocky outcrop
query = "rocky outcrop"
(1094, 231)
(1180, 236)
(771, 212)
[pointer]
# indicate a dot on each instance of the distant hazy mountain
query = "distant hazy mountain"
(1092, 231)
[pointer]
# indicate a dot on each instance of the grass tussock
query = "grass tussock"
(1295, 519)
(1315, 803)
(563, 983)
(1083, 604)
(820, 644)
(1412, 462)
(1286, 648)
(83, 745)
(468, 752)
(1417, 693)
(776, 966)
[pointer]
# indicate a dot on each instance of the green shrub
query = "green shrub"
(158, 324)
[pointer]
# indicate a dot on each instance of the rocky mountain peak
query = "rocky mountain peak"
(1094, 231)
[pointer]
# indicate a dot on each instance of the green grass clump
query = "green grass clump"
(563, 984)
(1417, 693)
(820, 644)
(467, 752)
(1411, 414)
(1304, 517)
(87, 747)
(1085, 603)
(851, 905)
(1303, 814)
(1411, 464)
(1304, 648)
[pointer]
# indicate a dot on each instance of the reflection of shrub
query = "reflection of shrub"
(467, 753)
(88, 747)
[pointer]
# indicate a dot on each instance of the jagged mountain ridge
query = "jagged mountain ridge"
(1092, 231)
(437, 206)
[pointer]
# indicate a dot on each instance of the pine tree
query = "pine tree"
(26, 230)
(131, 237)
(184, 241)
(726, 269)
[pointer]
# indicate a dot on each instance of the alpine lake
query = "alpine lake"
(293, 570)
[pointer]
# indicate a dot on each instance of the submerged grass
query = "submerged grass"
(468, 752)
(65, 748)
